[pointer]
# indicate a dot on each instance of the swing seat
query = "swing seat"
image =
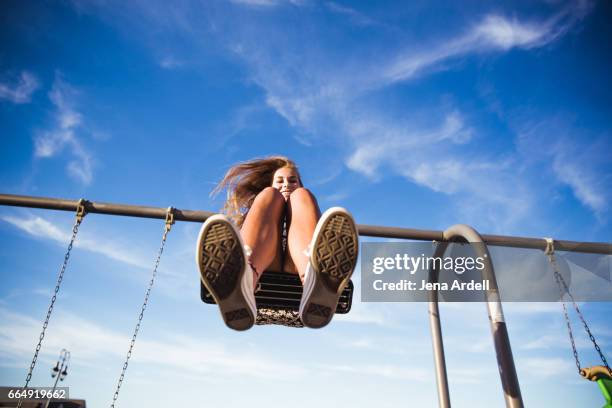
(600, 375)
(278, 298)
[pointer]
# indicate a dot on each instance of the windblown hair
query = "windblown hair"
(245, 180)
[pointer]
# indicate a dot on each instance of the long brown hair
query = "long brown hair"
(245, 180)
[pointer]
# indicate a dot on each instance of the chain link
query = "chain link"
(169, 222)
(563, 288)
(80, 213)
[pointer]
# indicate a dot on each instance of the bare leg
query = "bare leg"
(304, 214)
(260, 229)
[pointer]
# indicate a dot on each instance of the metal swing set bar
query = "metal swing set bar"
(364, 230)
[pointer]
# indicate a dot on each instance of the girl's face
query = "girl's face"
(286, 180)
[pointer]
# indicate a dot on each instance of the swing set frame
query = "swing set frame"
(510, 384)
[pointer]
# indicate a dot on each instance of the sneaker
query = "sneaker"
(225, 272)
(333, 254)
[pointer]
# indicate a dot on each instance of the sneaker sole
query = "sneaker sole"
(221, 261)
(334, 256)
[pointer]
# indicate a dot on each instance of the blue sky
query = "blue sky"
(491, 114)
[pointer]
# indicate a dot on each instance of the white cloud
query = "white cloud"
(42, 228)
(365, 313)
(355, 16)
(321, 96)
(492, 33)
(175, 274)
(267, 3)
(20, 92)
(374, 313)
(388, 371)
(379, 140)
(50, 143)
(324, 95)
(434, 156)
(38, 227)
(554, 341)
(495, 187)
(489, 35)
(171, 62)
(547, 367)
(505, 34)
(576, 159)
(471, 375)
(94, 343)
(81, 167)
(586, 186)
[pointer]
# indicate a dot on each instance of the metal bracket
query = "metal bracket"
(169, 218)
(81, 211)
(550, 246)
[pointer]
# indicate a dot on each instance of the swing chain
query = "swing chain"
(169, 221)
(80, 214)
(563, 288)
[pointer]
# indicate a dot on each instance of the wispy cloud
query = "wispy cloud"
(267, 3)
(14, 294)
(21, 91)
(42, 228)
(380, 370)
(241, 120)
(63, 135)
(441, 154)
(378, 142)
(94, 343)
(588, 188)
(365, 313)
(263, 3)
(355, 16)
(547, 367)
(326, 95)
(553, 341)
(493, 33)
(313, 94)
(576, 159)
(382, 344)
(441, 158)
(303, 89)
(377, 314)
(471, 374)
(171, 62)
(176, 274)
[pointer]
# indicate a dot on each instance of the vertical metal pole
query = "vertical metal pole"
(436, 336)
(503, 351)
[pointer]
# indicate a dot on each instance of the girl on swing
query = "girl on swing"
(277, 226)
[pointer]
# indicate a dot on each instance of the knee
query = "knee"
(270, 196)
(302, 196)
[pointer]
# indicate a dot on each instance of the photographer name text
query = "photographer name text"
(406, 285)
